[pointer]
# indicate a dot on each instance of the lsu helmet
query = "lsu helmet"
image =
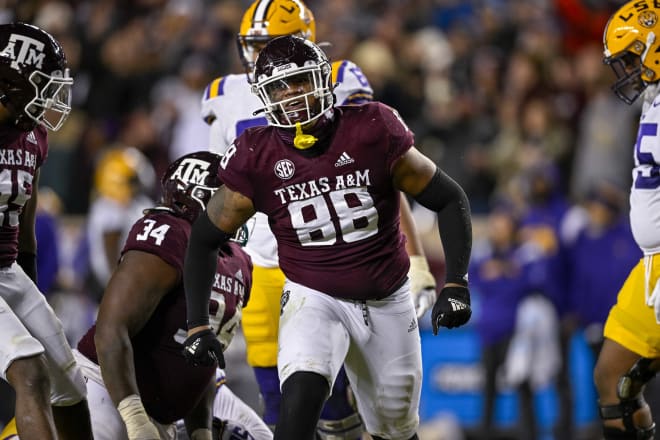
(267, 19)
(293, 63)
(122, 172)
(35, 85)
(632, 48)
(189, 182)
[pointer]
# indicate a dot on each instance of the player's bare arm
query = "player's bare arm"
(413, 172)
(229, 210)
(133, 293)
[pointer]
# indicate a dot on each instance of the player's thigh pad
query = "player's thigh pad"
(313, 335)
(15, 340)
(31, 307)
(34, 312)
(261, 316)
(384, 365)
(631, 322)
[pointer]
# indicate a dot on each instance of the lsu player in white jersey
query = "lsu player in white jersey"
(629, 356)
(229, 107)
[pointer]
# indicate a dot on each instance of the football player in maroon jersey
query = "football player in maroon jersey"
(144, 384)
(328, 178)
(36, 358)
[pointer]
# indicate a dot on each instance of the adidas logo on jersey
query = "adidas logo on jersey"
(31, 138)
(344, 159)
(457, 305)
(413, 325)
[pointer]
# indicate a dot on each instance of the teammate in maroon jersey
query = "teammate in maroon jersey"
(328, 179)
(144, 384)
(35, 357)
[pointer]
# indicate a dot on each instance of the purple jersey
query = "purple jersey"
(169, 387)
(335, 215)
(21, 154)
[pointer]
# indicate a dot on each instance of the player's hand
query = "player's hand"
(138, 424)
(452, 308)
(422, 284)
(203, 349)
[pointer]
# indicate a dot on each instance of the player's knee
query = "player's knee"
(632, 383)
(305, 387)
(605, 378)
(29, 375)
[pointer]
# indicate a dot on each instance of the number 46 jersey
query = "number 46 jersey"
(228, 106)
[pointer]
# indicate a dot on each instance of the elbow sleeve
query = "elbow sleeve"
(446, 197)
(199, 268)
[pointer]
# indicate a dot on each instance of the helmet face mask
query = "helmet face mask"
(35, 84)
(628, 71)
(293, 80)
(268, 19)
(631, 43)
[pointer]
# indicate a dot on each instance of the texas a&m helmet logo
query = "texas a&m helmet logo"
(24, 50)
(192, 170)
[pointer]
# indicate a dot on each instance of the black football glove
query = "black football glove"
(203, 349)
(452, 308)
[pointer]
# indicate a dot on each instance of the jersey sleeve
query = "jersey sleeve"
(400, 138)
(235, 171)
(352, 85)
(42, 134)
(214, 89)
(162, 235)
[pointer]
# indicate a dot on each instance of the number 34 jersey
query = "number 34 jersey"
(169, 386)
(645, 190)
(21, 154)
(228, 106)
(336, 214)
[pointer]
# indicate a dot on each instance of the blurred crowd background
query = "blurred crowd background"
(509, 97)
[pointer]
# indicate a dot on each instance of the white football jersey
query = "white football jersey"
(228, 106)
(645, 190)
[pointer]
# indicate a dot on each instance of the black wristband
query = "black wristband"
(198, 323)
(28, 262)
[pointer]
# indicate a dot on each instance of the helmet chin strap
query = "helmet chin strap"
(303, 141)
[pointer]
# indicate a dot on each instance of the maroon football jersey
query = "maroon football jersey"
(21, 153)
(335, 215)
(169, 387)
